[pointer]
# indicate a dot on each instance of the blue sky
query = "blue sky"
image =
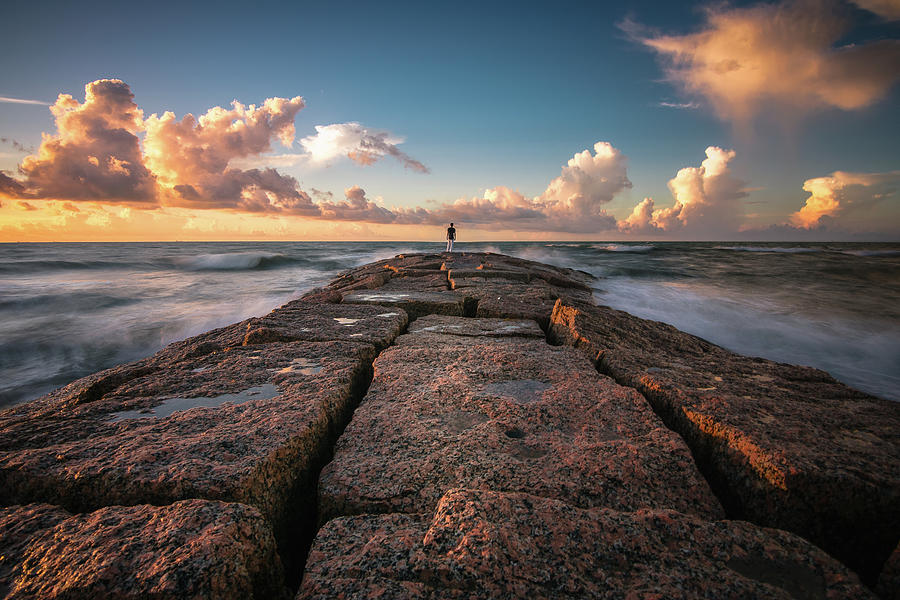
(484, 94)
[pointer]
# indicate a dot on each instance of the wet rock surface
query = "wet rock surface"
(415, 303)
(503, 413)
(477, 327)
(492, 544)
(190, 549)
(784, 446)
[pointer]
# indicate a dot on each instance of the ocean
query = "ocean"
(68, 310)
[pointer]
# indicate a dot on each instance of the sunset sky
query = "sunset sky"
(385, 121)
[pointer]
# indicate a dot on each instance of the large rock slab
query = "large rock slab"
(301, 321)
(505, 414)
(484, 544)
(476, 327)
(415, 303)
(190, 549)
(251, 424)
(784, 446)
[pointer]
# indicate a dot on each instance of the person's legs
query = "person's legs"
(449, 245)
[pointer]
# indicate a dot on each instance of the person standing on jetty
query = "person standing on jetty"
(451, 237)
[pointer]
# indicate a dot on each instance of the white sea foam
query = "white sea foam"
(623, 247)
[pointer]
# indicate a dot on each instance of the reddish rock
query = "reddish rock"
(487, 544)
(190, 549)
(505, 414)
(415, 303)
(284, 404)
(784, 446)
(476, 327)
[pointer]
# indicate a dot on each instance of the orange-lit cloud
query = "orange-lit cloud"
(358, 143)
(745, 59)
(96, 154)
(105, 151)
(707, 200)
(191, 157)
(842, 193)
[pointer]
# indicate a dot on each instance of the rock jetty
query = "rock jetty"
(450, 426)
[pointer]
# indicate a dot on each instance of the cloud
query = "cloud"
(707, 200)
(26, 206)
(842, 193)
(573, 202)
(745, 58)
(362, 145)
(96, 154)
(22, 101)
(681, 105)
(357, 208)
(886, 9)
(191, 158)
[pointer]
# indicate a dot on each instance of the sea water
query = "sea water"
(68, 310)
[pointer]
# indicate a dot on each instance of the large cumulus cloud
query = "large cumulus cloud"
(105, 151)
(837, 196)
(707, 201)
(788, 54)
(191, 157)
(96, 154)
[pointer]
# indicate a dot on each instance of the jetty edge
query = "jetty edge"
(448, 426)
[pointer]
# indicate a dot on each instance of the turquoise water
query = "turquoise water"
(67, 310)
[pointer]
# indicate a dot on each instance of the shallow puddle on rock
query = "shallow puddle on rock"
(523, 391)
(173, 405)
(304, 366)
(385, 315)
(346, 321)
(395, 297)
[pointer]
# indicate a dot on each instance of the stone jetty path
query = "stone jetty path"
(451, 426)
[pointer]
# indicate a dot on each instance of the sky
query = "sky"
(386, 121)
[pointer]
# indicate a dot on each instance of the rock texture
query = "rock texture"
(888, 587)
(488, 544)
(784, 446)
(574, 486)
(503, 413)
(236, 414)
(190, 549)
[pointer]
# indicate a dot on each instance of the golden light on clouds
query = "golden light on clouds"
(746, 59)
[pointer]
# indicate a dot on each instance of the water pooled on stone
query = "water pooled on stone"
(173, 405)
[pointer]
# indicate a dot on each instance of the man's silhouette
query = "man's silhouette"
(451, 237)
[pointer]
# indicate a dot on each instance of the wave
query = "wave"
(31, 266)
(623, 248)
(871, 252)
(234, 261)
(795, 250)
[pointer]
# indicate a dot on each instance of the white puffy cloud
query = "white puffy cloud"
(361, 144)
(786, 53)
(707, 200)
(840, 194)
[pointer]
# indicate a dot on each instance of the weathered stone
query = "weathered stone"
(486, 544)
(505, 414)
(417, 281)
(284, 404)
(476, 327)
(784, 446)
(190, 549)
(300, 321)
(888, 587)
(415, 303)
